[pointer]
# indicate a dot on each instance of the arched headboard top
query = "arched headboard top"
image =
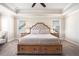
(40, 28)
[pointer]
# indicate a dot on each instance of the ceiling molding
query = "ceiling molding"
(5, 5)
(72, 12)
(72, 8)
(40, 15)
(54, 11)
(67, 7)
(35, 11)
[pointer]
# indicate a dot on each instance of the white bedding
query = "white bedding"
(40, 38)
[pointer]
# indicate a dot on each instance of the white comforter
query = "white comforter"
(39, 38)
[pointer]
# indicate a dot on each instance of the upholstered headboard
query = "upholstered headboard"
(40, 28)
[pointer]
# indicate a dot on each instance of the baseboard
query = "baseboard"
(73, 42)
(11, 40)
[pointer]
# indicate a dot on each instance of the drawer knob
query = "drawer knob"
(57, 49)
(21, 48)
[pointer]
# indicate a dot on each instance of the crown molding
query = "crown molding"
(53, 11)
(40, 15)
(74, 7)
(5, 5)
(67, 7)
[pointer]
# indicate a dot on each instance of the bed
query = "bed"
(39, 41)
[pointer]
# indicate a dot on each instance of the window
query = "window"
(56, 25)
(21, 25)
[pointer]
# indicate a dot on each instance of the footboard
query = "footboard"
(39, 49)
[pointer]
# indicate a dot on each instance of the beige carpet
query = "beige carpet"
(10, 49)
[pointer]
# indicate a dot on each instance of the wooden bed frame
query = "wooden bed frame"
(39, 49)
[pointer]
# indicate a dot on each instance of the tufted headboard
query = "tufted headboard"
(40, 28)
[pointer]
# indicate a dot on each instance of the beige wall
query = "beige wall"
(7, 25)
(62, 27)
(0, 22)
(32, 21)
(7, 21)
(15, 27)
(72, 27)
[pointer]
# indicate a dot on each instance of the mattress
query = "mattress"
(39, 39)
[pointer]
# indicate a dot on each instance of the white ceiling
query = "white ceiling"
(37, 6)
(38, 9)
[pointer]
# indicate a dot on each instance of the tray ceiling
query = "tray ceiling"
(26, 8)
